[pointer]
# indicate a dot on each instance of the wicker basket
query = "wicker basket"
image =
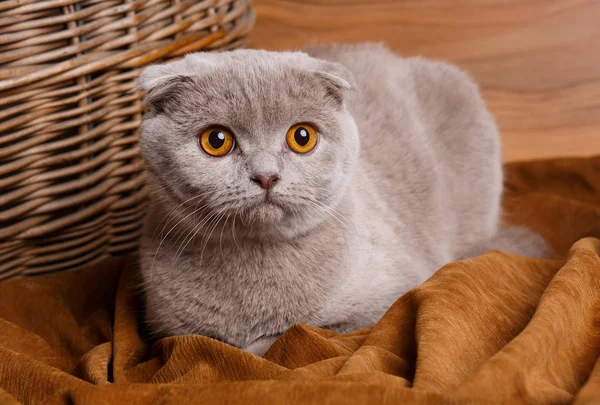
(72, 187)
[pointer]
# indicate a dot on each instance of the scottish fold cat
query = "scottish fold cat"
(311, 187)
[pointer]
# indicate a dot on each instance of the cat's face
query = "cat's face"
(249, 137)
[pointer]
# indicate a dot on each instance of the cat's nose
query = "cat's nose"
(266, 182)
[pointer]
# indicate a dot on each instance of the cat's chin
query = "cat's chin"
(266, 213)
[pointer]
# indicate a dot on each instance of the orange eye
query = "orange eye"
(302, 138)
(217, 141)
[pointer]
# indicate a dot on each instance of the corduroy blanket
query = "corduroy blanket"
(498, 329)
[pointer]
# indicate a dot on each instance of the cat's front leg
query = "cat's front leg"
(260, 346)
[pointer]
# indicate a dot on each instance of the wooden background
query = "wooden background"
(538, 61)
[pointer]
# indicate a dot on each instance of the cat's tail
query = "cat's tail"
(515, 239)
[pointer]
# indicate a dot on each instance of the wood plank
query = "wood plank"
(537, 61)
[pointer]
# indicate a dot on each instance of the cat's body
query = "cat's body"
(421, 188)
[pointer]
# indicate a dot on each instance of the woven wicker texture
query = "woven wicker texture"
(72, 187)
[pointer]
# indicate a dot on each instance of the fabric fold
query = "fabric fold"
(495, 329)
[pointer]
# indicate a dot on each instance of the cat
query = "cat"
(313, 187)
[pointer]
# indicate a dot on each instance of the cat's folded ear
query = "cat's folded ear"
(162, 82)
(338, 80)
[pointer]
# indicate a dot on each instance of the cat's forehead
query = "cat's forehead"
(258, 93)
(249, 58)
(264, 75)
(262, 86)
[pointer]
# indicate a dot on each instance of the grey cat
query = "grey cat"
(311, 187)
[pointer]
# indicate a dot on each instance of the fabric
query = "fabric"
(497, 329)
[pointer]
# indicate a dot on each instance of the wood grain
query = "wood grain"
(537, 61)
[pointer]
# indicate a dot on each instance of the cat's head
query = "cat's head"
(260, 139)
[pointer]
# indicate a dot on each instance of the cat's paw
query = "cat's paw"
(521, 241)
(260, 346)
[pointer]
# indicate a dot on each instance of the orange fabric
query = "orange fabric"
(498, 329)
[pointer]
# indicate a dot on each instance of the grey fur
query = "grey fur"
(353, 224)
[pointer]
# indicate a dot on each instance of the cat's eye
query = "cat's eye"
(217, 141)
(302, 138)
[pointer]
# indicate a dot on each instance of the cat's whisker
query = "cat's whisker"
(209, 235)
(337, 219)
(328, 210)
(221, 237)
(167, 219)
(297, 211)
(183, 231)
(180, 234)
(343, 218)
(336, 212)
(318, 229)
(169, 215)
(252, 222)
(192, 235)
(172, 228)
(233, 228)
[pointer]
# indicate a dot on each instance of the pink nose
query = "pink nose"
(266, 182)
